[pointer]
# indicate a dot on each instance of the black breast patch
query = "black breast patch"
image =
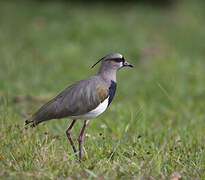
(112, 90)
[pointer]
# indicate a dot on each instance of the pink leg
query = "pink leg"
(69, 136)
(80, 138)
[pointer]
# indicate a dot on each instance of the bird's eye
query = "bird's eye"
(118, 60)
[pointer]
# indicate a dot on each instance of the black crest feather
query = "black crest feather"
(96, 63)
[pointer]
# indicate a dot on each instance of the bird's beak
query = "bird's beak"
(127, 64)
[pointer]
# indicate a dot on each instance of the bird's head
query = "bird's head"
(113, 61)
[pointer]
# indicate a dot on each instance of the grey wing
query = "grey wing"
(77, 99)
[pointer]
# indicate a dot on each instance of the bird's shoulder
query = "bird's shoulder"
(82, 96)
(90, 85)
(102, 92)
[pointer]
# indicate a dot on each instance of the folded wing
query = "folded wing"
(75, 100)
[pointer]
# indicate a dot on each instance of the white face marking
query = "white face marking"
(95, 112)
(120, 56)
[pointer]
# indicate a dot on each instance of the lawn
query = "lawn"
(155, 125)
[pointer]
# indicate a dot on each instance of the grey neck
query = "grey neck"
(107, 74)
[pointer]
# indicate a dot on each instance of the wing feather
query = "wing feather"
(77, 99)
(102, 92)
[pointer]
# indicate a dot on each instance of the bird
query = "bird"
(85, 99)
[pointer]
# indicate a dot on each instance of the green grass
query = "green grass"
(155, 125)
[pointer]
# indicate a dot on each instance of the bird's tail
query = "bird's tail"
(30, 120)
(27, 122)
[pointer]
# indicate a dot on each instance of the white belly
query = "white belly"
(95, 112)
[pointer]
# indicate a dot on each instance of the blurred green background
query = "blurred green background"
(155, 125)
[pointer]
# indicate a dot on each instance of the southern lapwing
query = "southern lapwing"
(85, 99)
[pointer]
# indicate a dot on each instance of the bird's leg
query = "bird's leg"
(80, 138)
(69, 137)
